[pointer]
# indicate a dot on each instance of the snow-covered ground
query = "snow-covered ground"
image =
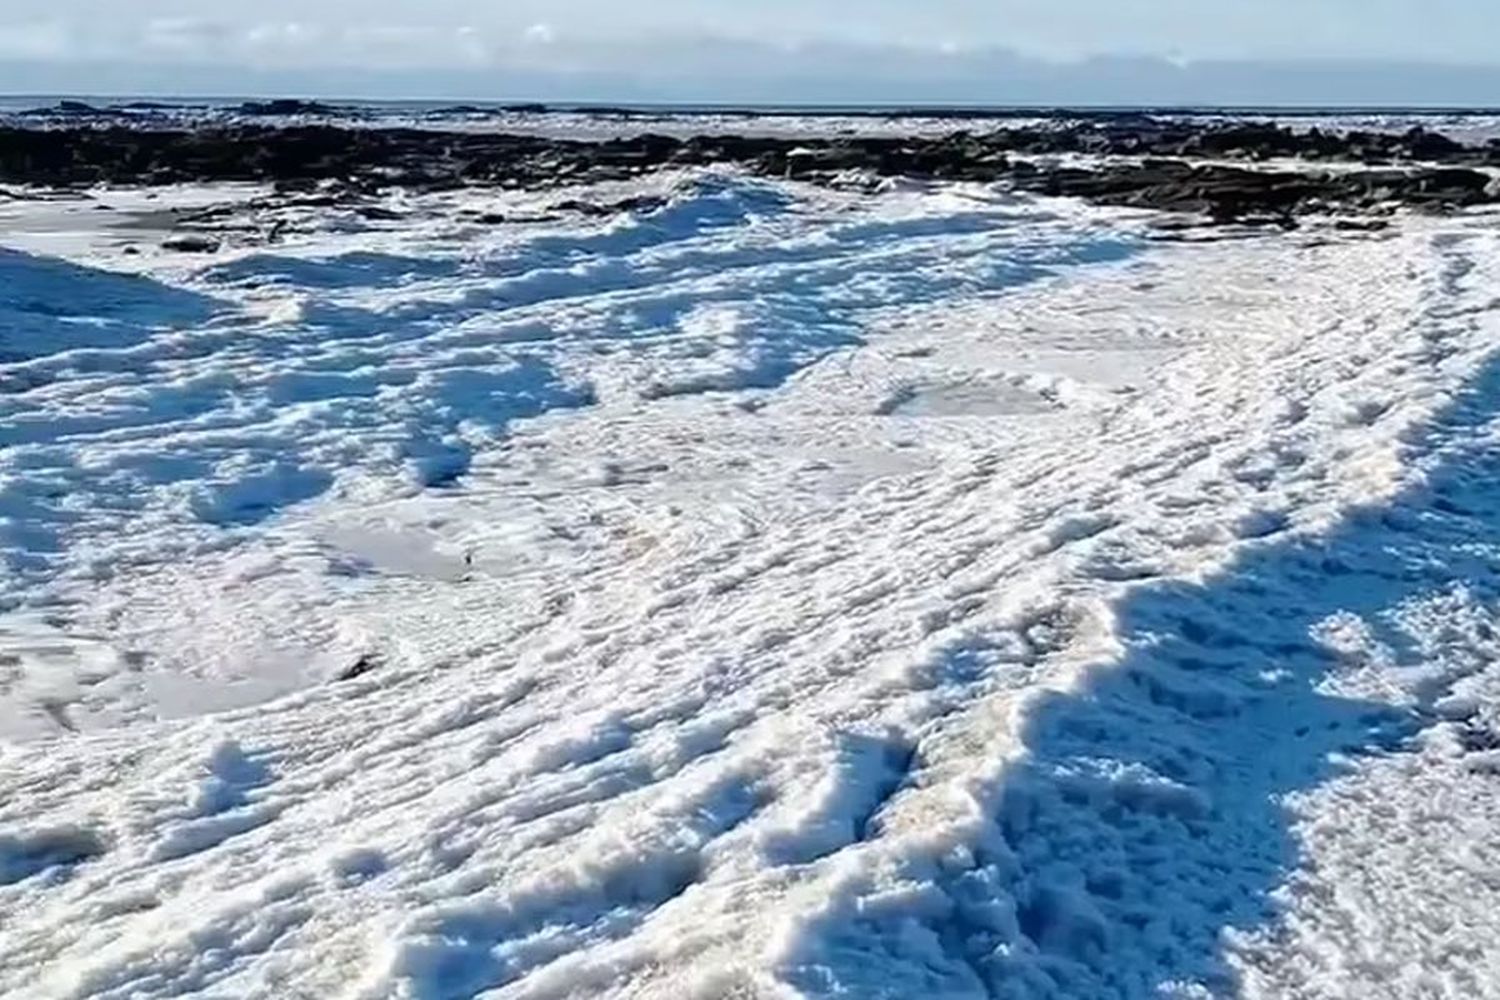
(781, 592)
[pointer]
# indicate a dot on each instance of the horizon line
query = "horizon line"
(765, 109)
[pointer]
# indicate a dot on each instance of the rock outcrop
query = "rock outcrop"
(1225, 172)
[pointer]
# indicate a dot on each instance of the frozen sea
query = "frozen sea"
(758, 591)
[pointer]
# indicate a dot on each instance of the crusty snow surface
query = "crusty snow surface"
(777, 593)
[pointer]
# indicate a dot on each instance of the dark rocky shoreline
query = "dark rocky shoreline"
(1218, 171)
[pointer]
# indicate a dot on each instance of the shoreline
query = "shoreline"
(1224, 172)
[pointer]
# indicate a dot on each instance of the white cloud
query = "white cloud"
(473, 45)
(37, 40)
(1451, 31)
(407, 46)
(185, 35)
(672, 50)
(283, 36)
(540, 34)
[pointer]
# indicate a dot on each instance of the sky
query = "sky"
(814, 51)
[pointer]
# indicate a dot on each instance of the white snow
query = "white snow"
(780, 593)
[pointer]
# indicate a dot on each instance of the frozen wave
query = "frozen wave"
(918, 594)
(151, 422)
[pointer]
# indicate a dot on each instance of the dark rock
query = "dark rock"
(379, 213)
(637, 204)
(1419, 143)
(191, 243)
(1150, 162)
(458, 109)
(285, 107)
(501, 219)
(1452, 185)
(362, 665)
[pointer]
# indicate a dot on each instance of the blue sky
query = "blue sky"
(1097, 51)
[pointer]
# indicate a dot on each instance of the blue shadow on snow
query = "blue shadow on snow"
(1147, 817)
(48, 306)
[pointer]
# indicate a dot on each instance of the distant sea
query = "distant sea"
(15, 103)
